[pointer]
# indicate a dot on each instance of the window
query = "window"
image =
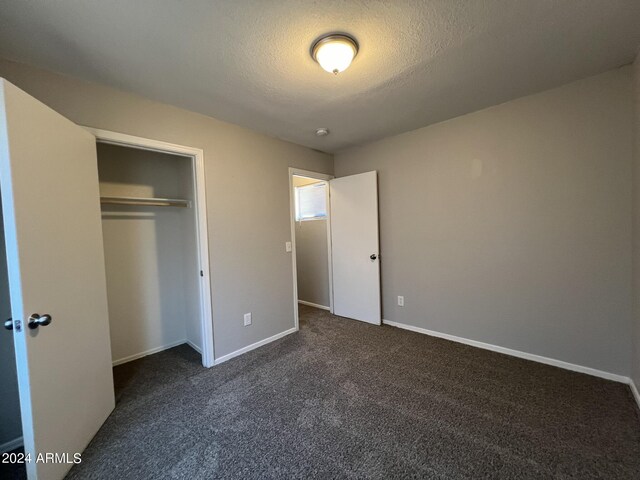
(311, 202)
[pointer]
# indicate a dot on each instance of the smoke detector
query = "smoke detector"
(322, 132)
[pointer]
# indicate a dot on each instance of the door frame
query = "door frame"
(292, 217)
(202, 232)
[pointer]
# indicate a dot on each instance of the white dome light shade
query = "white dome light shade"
(335, 53)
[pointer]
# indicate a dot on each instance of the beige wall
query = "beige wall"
(10, 419)
(247, 195)
(312, 256)
(512, 225)
(635, 371)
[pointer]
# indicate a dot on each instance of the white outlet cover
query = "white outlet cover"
(400, 301)
(287, 247)
(247, 319)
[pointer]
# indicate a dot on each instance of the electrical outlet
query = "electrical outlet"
(247, 319)
(400, 301)
(287, 246)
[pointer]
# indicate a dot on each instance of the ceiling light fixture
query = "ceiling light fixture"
(334, 52)
(322, 132)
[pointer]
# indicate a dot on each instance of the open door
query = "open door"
(55, 262)
(354, 240)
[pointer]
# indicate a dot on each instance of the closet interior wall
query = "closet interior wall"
(151, 252)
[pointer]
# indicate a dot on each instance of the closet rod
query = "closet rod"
(153, 202)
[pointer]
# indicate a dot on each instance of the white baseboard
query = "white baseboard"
(253, 346)
(194, 346)
(136, 356)
(514, 353)
(314, 305)
(11, 445)
(635, 392)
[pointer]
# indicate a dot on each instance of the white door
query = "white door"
(55, 261)
(354, 240)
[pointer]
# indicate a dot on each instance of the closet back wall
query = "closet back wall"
(247, 187)
(150, 252)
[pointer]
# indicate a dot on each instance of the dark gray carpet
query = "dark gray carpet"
(343, 399)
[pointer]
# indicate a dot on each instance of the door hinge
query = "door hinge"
(17, 325)
(201, 273)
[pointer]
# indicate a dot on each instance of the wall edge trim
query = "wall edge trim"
(634, 391)
(11, 445)
(194, 346)
(253, 346)
(514, 353)
(315, 305)
(151, 351)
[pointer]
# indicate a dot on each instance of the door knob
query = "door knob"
(37, 320)
(373, 256)
(8, 324)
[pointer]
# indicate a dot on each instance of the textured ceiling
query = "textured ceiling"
(247, 61)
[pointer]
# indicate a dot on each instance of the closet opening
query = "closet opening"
(311, 235)
(155, 247)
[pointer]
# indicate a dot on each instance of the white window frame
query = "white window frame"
(297, 201)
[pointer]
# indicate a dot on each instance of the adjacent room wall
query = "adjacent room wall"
(10, 419)
(635, 370)
(247, 195)
(512, 225)
(150, 252)
(312, 256)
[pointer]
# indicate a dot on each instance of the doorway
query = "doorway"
(311, 239)
(348, 240)
(155, 246)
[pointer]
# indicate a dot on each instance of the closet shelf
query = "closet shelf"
(150, 202)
